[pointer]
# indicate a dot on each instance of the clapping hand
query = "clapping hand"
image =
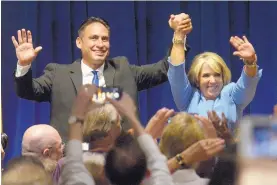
(157, 123)
(203, 150)
(125, 106)
(25, 51)
(220, 125)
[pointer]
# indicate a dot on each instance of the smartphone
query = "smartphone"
(103, 92)
(258, 137)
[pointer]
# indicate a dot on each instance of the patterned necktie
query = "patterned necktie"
(95, 79)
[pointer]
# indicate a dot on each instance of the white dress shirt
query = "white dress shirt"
(21, 70)
(87, 74)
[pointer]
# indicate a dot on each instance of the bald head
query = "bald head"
(42, 140)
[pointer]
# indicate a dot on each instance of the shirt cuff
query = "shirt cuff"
(21, 70)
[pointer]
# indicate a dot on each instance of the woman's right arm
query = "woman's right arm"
(180, 85)
(181, 88)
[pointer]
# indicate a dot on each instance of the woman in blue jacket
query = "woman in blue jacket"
(207, 86)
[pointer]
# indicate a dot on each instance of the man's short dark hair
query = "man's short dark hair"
(126, 162)
(91, 20)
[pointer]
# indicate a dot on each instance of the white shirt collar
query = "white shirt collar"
(86, 70)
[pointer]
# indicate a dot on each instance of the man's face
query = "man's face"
(94, 42)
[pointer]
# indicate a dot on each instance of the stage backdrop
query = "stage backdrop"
(139, 31)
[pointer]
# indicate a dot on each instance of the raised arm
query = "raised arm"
(74, 171)
(156, 162)
(180, 86)
(151, 75)
(148, 76)
(25, 51)
(203, 150)
(38, 89)
(26, 87)
(244, 90)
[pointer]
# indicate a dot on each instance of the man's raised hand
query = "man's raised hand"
(25, 51)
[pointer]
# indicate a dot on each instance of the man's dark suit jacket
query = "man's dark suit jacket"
(59, 85)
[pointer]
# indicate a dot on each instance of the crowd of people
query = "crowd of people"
(90, 143)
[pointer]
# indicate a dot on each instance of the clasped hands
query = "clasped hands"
(181, 24)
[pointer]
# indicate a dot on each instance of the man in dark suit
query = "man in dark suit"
(59, 83)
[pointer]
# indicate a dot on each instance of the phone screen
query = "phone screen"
(264, 141)
(110, 92)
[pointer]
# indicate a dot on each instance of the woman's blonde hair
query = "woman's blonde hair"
(102, 119)
(214, 61)
(182, 132)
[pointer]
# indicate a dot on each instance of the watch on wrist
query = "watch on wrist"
(250, 63)
(180, 161)
(74, 119)
(178, 41)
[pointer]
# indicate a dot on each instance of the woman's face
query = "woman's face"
(210, 82)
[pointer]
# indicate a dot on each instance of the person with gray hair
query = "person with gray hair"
(100, 129)
(44, 142)
(25, 170)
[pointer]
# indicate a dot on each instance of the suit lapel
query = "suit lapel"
(75, 74)
(109, 73)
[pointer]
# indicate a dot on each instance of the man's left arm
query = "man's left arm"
(151, 75)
